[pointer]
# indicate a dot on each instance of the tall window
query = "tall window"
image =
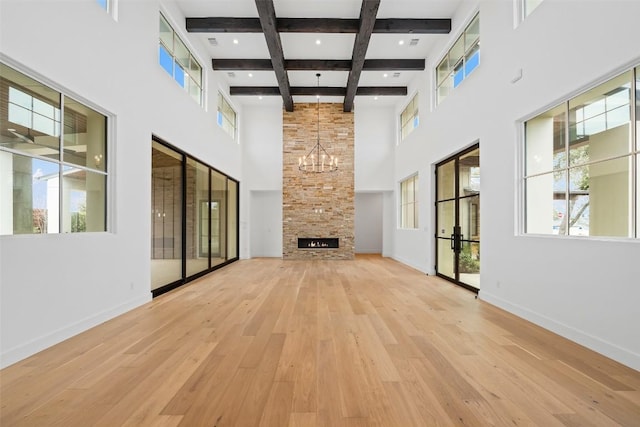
(409, 202)
(226, 116)
(460, 61)
(53, 160)
(178, 61)
(581, 164)
(409, 118)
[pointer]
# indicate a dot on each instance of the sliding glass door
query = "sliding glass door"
(458, 218)
(194, 224)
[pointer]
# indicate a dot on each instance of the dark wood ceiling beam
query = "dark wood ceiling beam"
(412, 26)
(242, 64)
(315, 90)
(267, 14)
(368, 13)
(318, 25)
(319, 64)
(382, 91)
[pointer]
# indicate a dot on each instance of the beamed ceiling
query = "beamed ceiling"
(275, 48)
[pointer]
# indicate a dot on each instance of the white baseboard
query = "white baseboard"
(410, 264)
(594, 343)
(35, 345)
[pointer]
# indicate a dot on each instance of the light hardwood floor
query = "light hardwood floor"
(266, 342)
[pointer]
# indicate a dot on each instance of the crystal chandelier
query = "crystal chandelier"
(318, 160)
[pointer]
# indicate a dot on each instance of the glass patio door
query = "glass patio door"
(458, 218)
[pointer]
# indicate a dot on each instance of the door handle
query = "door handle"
(453, 242)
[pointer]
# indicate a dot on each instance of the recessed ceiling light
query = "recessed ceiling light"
(250, 74)
(235, 41)
(260, 97)
(401, 42)
(385, 75)
(375, 98)
(318, 42)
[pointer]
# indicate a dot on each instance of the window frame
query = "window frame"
(469, 54)
(187, 80)
(412, 123)
(405, 204)
(222, 118)
(633, 156)
(65, 166)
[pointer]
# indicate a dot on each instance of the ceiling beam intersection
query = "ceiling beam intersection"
(267, 14)
(368, 13)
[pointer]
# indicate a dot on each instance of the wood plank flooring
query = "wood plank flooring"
(267, 342)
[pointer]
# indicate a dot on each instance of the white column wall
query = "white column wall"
(586, 290)
(54, 286)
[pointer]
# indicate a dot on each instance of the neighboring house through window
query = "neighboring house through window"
(581, 164)
(53, 158)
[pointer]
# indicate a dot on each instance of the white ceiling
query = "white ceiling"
(304, 45)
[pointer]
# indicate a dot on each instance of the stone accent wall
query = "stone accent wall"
(318, 204)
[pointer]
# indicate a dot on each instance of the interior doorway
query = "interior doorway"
(458, 218)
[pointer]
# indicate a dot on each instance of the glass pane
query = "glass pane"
(472, 60)
(166, 60)
(545, 203)
(197, 217)
(181, 53)
(446, 218)
(103, 4)
(83, 201)
(232, 222)
(31, 119)
(166, 34)
(472, 33)
(166, 216)
(457, 51)
(469, 264)
(446, 258)
(443, 70)
(599, 121)
(443, 90)
(469, 173)
(195, 71)
(446, 180)
(218, 218)
(599, 199)
(470, 218)
(28, 195)
(178, 73)
(195, 91)
(545, 141)
(85, 136)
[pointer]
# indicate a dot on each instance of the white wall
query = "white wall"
(583, 289)
(54, 286)
(266, 224)
(374, 129)
(369, 211)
